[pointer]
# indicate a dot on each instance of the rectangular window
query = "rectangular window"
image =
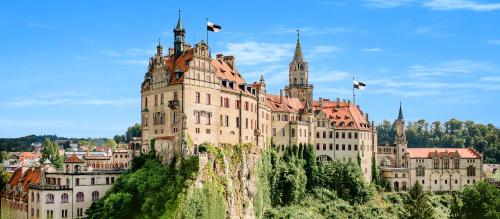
(156, 100)
(227, 121)
(324, 134)
(293, 133)
(343, 134)
(355, 147)
(226, 102)
(349, 147)
(324, 147)
(107, 180)
(273, 131)
(317, 134)
(336, 135)
(208, 99)
(176, 97)
(446, 163)
(436, 163)
(237, 122)
(343, 147)
(355, 135)
(282, 131)
(317, 147)
(246, 123)
(112, 180)
(331, 134)
(92, 181)
(77, 182)
(456, 163)
(331, 147)
(197, 97)
(209, 118)
(197, 117)
(337, 147)
(161, 99)
(349, 135)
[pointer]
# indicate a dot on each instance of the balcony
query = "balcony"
(48, 187)
(173, 104)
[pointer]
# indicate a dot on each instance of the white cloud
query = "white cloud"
(494, 42)
(65, 99)
(329, 76)
(374, 49)
(454, 67)
(461, 4)
(444, 5)
(387, 3)
(253, 53)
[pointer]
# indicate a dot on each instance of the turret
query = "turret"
(178, 38)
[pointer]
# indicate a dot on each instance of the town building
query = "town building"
(189, 99)
(436, 169)
(43, 192)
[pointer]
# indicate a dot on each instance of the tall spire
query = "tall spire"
(400, 116)
(159, 48)
(297, 56)
(179, 23)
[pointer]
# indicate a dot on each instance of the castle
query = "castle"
(188, 99)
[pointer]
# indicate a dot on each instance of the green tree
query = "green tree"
(310, 165)
(119, 139)
(4, 155)
(133, 131)
(417, 204)
(4, 178)
(51, 152)
(111, 143)
(481, 200)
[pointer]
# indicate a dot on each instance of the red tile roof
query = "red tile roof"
(347, 113)
(32, 176)
(73, 159)
(284, 104)
(16, 176)
(431, 152)
(224, 72)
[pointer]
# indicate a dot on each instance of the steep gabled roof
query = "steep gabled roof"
(73, 159)
(284, 104)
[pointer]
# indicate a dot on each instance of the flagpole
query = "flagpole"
(206, 27)
(353, 94)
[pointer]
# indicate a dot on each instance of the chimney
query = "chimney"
(338, 102)
(281, 96)
(219, 57)
(348, 102)
(367, 117)
(230, 61)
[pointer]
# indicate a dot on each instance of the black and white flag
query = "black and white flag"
(358, 85)
(213, 27)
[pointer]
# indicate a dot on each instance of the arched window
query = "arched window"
(49, 199)
(64, 198)
(79, 197)
(95, 196)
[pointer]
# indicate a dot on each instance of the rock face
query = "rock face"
(234, 169)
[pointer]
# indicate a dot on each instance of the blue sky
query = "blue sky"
(74, 68)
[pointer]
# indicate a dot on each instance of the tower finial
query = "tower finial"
(298, 34)
(400, 115)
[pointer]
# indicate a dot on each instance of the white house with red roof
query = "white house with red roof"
(436, 169)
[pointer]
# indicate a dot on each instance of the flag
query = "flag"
(358, 85)
(213, 27)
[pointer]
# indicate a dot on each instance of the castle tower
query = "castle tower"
(400, 142)
(179, 33)
(298, 77)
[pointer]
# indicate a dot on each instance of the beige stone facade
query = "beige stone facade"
(188, 99)
(436, 169)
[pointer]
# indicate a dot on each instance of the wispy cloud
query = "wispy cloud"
(128, 52)
(461, 4)
(494, 42)
(443, 5)
(67, 99)
(374, 49)
(329, 76)
(312, 30)
(454, 67)
(386, 3)
(430, 32)
(253, 53)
